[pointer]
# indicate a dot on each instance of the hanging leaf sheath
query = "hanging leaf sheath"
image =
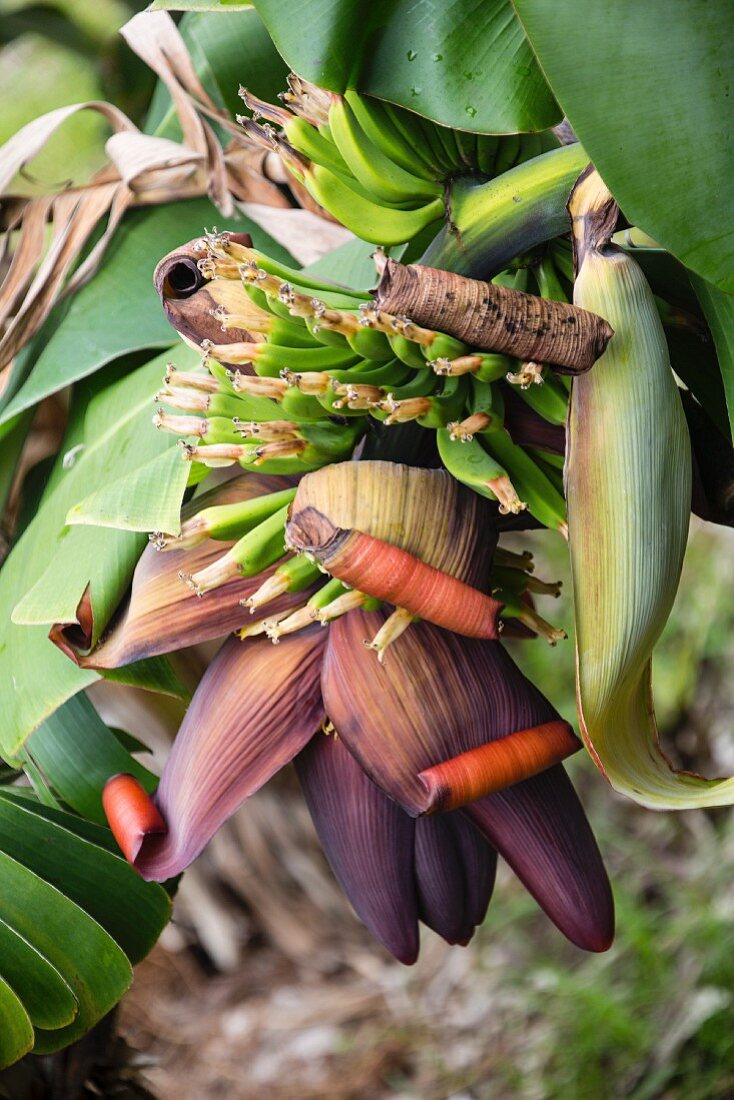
(628, 492)
(494, 318)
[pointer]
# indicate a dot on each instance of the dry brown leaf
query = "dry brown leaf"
(142, 170)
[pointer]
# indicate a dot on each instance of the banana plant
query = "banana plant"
(489, 349)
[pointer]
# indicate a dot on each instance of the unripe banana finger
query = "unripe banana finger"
(377, 173)
(474, 467)
(382, 132)
(371, 221)
(542, 497)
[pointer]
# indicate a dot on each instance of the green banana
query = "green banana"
(270, 359)
(224, 522)
(408, 125)
(255, 551)
(486, 398)
(407, 351)
(471, 464)
(333, 296)
(370, 344)
(382, 132)
(420, 385)
(533, 485)
(531, 146)
(466, 146)
(377, 173)
(368, 219)
(312, 143)
(549, 399)
(508, 150)
(548, 280)
(444, 347)
(487, 146)
(446, 405)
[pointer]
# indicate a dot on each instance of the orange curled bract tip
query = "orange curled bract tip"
(496, 765)
(131, 813)
(389, 573)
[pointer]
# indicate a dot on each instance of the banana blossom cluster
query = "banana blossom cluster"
(417, 769)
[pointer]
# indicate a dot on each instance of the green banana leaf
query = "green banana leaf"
(719, 311)
(118, 311)
(73, 917)
(76, 753)
(234, 48)
(17, 1034)
(110, 430)
(147, 498)
(648, 89)
(463, 64)
(351, 264)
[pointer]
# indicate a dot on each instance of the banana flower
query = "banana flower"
(418, 769)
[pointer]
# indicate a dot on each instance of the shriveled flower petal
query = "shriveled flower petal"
(165, 614)
(438, 695)
(255, 708)
(190, 299)
(455, 872)
(368, 841)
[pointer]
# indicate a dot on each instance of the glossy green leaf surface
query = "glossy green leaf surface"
(77, 754)
(16, 1033)
(351, 264)
(83, 953)
(719, 310)
(103, 884)
(148, 498)
(234, 48)
(46, 997)
(108, 431)
(149, 674)
(648, 89)
(98, 556)
(463, 64)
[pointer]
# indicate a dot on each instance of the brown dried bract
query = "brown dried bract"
(494, 318)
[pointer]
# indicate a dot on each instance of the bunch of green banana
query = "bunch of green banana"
(378, 168)
(268, 426)
(326, 359)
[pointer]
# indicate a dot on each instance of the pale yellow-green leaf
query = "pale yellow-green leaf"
(105, 436)
(146, 499)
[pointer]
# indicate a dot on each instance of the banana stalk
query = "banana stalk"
(629, 495)
(489, 224)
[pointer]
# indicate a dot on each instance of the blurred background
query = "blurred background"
(266, 985)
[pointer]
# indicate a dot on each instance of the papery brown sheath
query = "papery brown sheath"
(494, 318)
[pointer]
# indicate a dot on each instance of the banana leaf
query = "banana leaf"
(109, 433)
(647, 88)
(73, 918)
(459, 63)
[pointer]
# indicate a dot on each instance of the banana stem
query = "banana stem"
(490, 223)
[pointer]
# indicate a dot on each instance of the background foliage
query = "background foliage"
(516, 1014)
